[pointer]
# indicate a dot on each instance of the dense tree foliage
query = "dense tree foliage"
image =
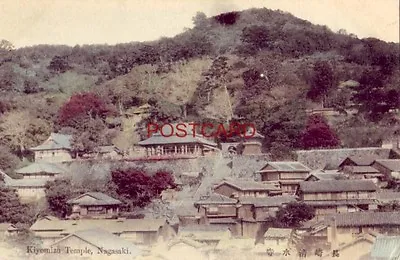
(214, 78)
(20, 130)
(322, 81)
(59, 64)
(374, 99)
(11, 209)
(58, 192)
(318, 134)
(84, 117)
(294, 214)
(138, 188)
(229, 18)
(8, 161)
(82, 107)
(255, 38)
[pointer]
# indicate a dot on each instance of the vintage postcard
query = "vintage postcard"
(199, 129)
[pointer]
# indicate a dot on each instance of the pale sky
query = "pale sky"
(71, 22)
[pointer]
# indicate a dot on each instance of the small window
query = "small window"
(53, 154)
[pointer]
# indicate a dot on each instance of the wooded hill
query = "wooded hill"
(257, 65)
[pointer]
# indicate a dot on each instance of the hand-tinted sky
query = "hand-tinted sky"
(30, 22)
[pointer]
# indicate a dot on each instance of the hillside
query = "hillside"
(258, 65)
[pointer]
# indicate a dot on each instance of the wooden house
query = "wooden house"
(358, 160)
(338, 196)
(287, 174)
(345, 227)
(57, 148)
(362, 172)
(188, 214)
(245, 188)
(260, 209)
(219, 210)
(216, 206)
(253, 213)
(94, 205)
(387, 167)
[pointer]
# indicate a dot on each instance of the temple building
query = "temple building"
(57, 148)
(167, 145)
(34, 177)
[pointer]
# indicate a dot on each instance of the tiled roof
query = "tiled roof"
(41, 167)
(324, 175)
(289, 166)
(274, 201)
(365, 218)
(363, 169)
(25, 183)
(248, 185)
(316, 159)
(386, 247)
(215, 198)
(278, 233)
(111, 225)
(391, 164)
(340, 202)
(362, 160)
(54, 142)
(94, 198)
(337, 186)
(103, 239)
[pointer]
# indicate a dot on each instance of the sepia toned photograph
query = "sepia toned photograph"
(199, 129)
